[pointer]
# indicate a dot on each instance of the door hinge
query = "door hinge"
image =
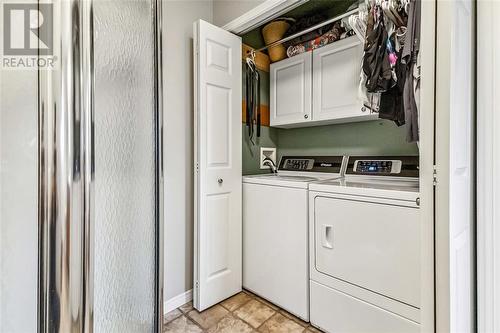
(197, 285)
(197, 167)
(434, 175)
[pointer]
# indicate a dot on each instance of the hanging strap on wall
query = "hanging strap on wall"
(252, 96)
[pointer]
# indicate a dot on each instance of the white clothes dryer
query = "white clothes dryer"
(365, 248)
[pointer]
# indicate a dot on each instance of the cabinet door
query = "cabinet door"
(291, 90)
(336, 80)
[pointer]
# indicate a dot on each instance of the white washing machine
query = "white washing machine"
(275, 230)
(365, 248)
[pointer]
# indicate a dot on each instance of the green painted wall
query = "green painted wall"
(268, 139)
(378, 137)
(269, 135)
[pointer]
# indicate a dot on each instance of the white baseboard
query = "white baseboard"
(175, 302)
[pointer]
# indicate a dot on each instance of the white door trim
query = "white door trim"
(455, 168)
(488, 162)
(426, 146)
(261, 14)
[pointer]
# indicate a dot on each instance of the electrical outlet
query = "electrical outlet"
(267, 153)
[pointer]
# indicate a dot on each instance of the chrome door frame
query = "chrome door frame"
(66, 172)
(159, 214)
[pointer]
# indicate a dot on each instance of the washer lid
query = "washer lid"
(389, 188)
(285, 180)
(299, 171)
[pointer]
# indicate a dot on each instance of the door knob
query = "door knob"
(417, 201)
(220, 180)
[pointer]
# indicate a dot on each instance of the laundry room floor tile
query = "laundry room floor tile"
(230, 324)
(186, 307)
(236, 301)
(255, 313)
(208, 318)
(281, 324)
(182, 325)
(172, 315)
(243, 313)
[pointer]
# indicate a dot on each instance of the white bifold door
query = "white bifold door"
(455, 216)
(218, 137)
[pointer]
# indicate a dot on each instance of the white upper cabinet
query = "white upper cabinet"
(291, 90)
(336, 75)
(332, 97)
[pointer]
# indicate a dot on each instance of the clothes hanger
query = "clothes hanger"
(405, 4)
(358, 26)
(393, 8)
(388, 13)
(250, 60)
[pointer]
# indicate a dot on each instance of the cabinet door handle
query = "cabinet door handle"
(220, 181)
(363, 109)
(306, 116)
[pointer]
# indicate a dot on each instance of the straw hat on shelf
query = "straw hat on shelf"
(273, 32)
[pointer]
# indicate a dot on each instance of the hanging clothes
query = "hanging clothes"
(416, 84)
(409, 58)
(376, 64)
(391, 102)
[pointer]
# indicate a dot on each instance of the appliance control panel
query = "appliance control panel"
(324, 164)
(299, 164)
(377, 167)
(383, 166)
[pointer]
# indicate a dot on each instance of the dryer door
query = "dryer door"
(373, 245)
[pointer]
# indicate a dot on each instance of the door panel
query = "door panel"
(18, 201)
(336, 79)
(455, 215)
(218, 129)
(218, 160)
(291, 90)
(124, 279)
(218, 235)
(461, 141)
(371, 245)
(335, 311)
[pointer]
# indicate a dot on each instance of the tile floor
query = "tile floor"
(242, 313)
